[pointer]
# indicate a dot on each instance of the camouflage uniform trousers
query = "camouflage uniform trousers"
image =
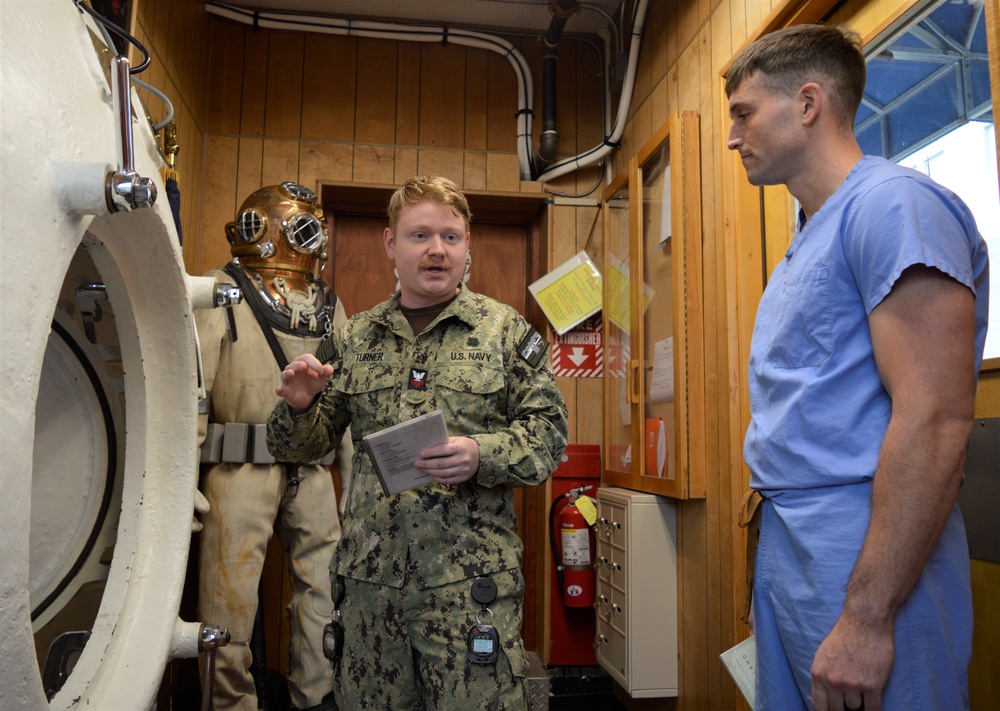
(407, 648)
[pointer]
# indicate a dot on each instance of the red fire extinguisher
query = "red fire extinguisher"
(574, 557)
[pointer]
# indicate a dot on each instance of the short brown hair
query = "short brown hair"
(428, 187)
(793, 56)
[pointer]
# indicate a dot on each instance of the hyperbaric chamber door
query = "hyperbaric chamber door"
(131, 532)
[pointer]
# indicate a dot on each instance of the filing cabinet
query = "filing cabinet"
(636, 562)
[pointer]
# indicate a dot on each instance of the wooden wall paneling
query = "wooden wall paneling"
(688, 23)
(673, 48)
(688, 76)
(254, 96)
(375, 120)
(220, 202)
(719, 489)
(656, 42)
(673, 88)
(441, 162)
(189, 179)
(659, 101)
(283, 102)
(474, 170)
(757, 10)
(408, 94)
(159, 28)
(225, 77)
(373, 164)
(697, 575)
(563, 234)
(728, 36)
(442, 95)
(502, 172)
(279, 161)
(175, 38)
(322, 161)
(194, 47)
(644, 67)
(695, 635)
(405, 165)
(329, 87)
(502, 103)
(249, 169)
(476, 98)
(568, 388)
(738, 24)
(588, 114)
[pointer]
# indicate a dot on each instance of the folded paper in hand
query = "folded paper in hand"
(394, 450)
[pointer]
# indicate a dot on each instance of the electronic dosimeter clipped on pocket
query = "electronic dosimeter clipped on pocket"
(483, 641)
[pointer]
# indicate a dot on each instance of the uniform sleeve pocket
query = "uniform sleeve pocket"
(802, 335)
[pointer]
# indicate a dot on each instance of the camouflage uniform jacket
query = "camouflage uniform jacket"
(469, 355)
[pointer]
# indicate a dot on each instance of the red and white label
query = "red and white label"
(579, 353)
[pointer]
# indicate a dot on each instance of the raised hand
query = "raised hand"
(302, 380)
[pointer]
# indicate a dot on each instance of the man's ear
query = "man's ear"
(388, 241)
(812, 101)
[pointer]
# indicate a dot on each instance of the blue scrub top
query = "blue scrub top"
(818, 409)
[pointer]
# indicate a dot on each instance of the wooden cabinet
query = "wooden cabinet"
(636, 600)
(654, 372)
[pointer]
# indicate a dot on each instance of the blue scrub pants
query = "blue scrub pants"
(809, 542)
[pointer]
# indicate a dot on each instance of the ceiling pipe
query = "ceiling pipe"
(430, 33)
(548, 141)
(412, 33)
(596, 153)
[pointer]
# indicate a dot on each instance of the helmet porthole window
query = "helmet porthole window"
(299, 192)
(304, 233)
(251, 226)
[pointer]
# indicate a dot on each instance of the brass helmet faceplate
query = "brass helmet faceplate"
(280, 228)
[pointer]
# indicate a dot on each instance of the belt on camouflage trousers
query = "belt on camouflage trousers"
(749, 518)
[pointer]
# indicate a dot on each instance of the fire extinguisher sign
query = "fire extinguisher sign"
(579, 353)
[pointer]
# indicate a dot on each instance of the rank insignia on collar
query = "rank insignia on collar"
(418, 379)
(532, 348)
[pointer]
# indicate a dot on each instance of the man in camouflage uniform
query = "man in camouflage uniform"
(278, 242)
(407, 562)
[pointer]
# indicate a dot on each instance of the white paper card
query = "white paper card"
(741, 662)
(661, 388)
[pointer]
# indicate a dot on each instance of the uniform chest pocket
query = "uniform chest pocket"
(471, 395)
(802, 332)
(372, 391)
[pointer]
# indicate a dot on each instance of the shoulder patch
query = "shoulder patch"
(532, 348)
(326, 351)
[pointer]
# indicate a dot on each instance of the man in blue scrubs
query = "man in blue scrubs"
(863, 368)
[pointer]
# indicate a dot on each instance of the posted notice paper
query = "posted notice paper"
(570, 293)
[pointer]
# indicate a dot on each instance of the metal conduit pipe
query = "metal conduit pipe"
(548, 142)
(594, 154)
